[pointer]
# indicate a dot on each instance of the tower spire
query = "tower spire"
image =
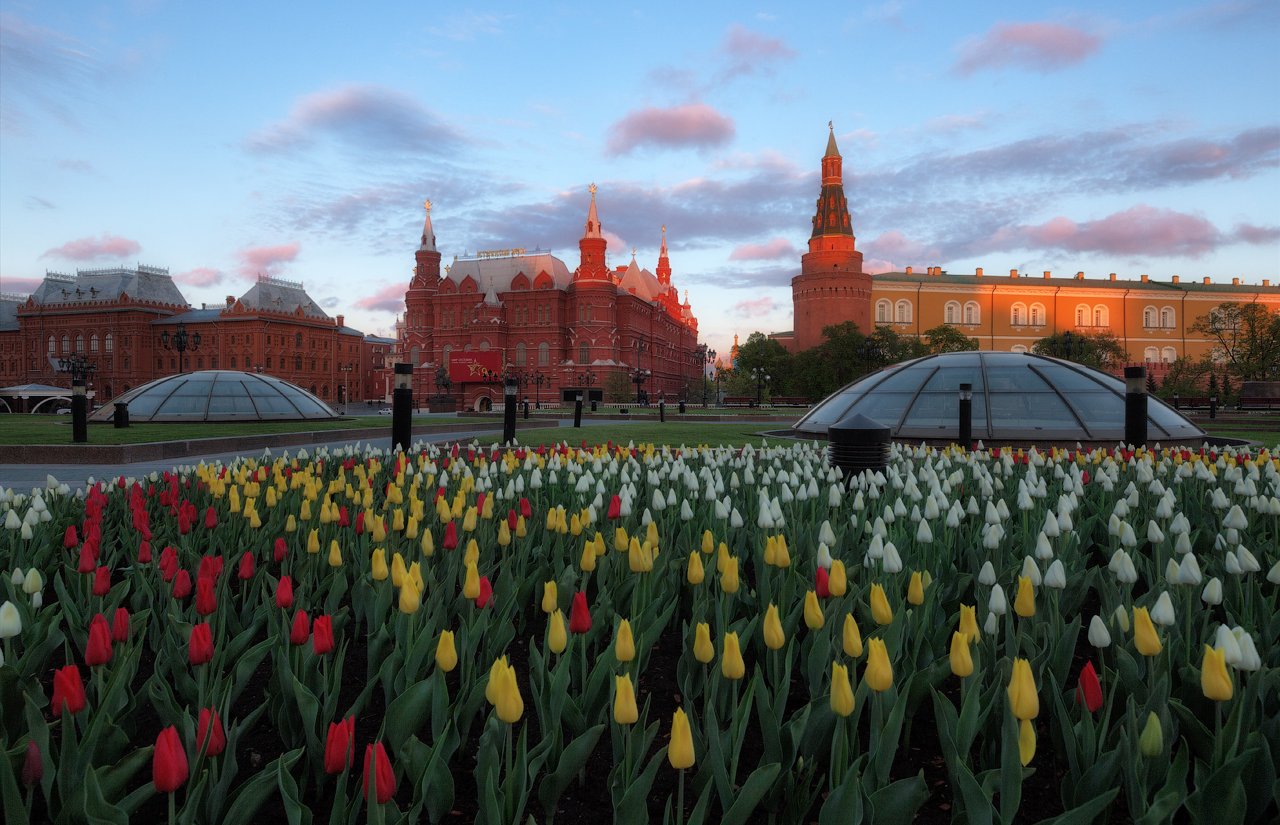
(593, 219)
(832, 215)
(592, 246)
(832, 150)
(664, 264)
(428, 233)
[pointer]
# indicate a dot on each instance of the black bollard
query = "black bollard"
(79, 412)
(509, 411)
(577, 410)
(662, 410)
(1176, 405)
(966, 417)
(858, 443)
(1135, 406)
(1213, 406)
(682, 408)
(402, 408)
(526, 409)
(121, 418)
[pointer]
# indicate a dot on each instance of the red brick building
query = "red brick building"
(573, 330)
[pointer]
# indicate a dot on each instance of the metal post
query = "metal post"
(509, 389)
(1213, 406)
(1135, 406)
(526, 409)
(577, 410)
(662, 410)
(402, 408)
(1175, 401)
(966, 417)
(79, 412)
(122, 414)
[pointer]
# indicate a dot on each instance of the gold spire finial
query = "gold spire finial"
(633, 253)
(831, 125)
(427, 205)
(592, 190)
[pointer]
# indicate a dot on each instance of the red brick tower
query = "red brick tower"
(591, 247)
(419, 302)
(593, 300)
(831, 287)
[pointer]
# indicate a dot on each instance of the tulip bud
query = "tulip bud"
(471, 582)
(880, 610)
(1162, 612)
(961, 660)
(1212, 593)
(322, 635)
(851, 637)
(703, 650)
(729, 579)
(410, 597)
(1098, 635)
(1026, 742)
(557, 638)
(841, 690)
(339, 745)
(1215, 682)
(550, 600)
(1024, 604)
(377, 768)
(446, 652)
(624, 701)
(838, 579)
(169, 759)
(1056, 576)
(1145, 637)
(879, 673)
(1151, 740)
(997, 603)
(915, 589)
(680, 752)
(813, 618)
(695, 573)
(774, 636)
(98, 648)
(731, 664)
(378, 565)
(510, 705)
(624, 646)
(211, 738)
(33, 763)
(1023, 700)
(10, 620)
(969, 622)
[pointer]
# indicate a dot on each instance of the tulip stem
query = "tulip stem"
(680, 798)
(173, 808)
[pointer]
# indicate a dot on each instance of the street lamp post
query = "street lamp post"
(346, 370)
(709, 361)
(181, 342)
(639, 376)
(538, 380)
(762, 378)
(79, 368)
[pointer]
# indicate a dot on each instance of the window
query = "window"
(584, 353)
(1018, 315)
(233, 362)
(1037, 315)
(1149, 317)
(297, 340)
(297, 363)
(520, 354)
(1151, 354)
(66, 344)
(1168, 355)
(53, 346)
(1082, 315)
(79, 343)
(484, 345)
(904, 312)
(444, 357)
(1167, 318)
(93, 342)
(951, 312)
(972, 313)
(1100, 316)
(544, 354)
(415, 356)
(883, 312)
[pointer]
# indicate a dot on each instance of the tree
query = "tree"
(617, 388)
(888, 347)
(1246, 337)
(946, 338)
(1100, 351)
(1185, 378)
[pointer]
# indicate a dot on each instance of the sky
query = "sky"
(230, 140)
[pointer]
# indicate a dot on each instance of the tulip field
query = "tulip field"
(674, 635)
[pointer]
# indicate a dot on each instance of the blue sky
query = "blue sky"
(300, 140)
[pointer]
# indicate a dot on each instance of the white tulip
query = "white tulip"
(987, 575)
(992, 625)
(1231, 563)
(1182, 544)
(997, 604)
(826, 535)
(1212, 593)
(1249, 658)
(1246, 560)
(1235, 518)
(37, 599)
(1273, 575)
(824, 555)
(1098, 635)
(1225, 641)
(1127, 537)
(1056, 576)
(735, 519)
(10, 621)
(1030, 570)
(892, 562)
(26, 532)
(1189, 570)
(1050, 527)
(923, 534)
(33, 582)
(11, 521)
(16, 577)
(1121, 618)
(1154, 533)
(1171, 571)
(1044, 550)
(1162, 612)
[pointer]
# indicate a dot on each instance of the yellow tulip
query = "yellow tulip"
(702, 648)
(1023, 700)
(446, 652)
(494, 685)
(471, 585)
(813, 618)
(1144, 633)
(879, 674)
(633, 546)
(841, 690)
(624, 701)
(838, 580)
(961, 659)
(1215, 682)
(378, 532)
(411, 529)
(291, 523)
(600, 546)
(398, 570)
(651, 534)
(620, 540)
(510, 704)
(783, 557)
(471, 555)
(469, 520)
(410, 597)
(428, 544)
(378, 565)
(335, 554)
(695, 573)
(1024, 604)
(557, 636)
(770, 550)
(731, 664)
(624, 645)
(851, 637)
(915, 590)
(397, 520)
(550, 600)
(588, 561)
(729, 581)
(680, 751)
(504, 533)
(708, 542)
(575, 525)
(313, 541)
(880, 610)
(774, 637)
(415, 573)
(969, 622)
(522, 529)
(1026, 742)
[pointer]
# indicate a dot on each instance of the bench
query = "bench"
(739, 401)
(1191, 402)
(1258, 403)
(789, 401)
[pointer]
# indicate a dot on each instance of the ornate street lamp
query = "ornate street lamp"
(639, 376)
(762, 378)
(346, 370)
(709, 361)
(79, 368)
(181, 342)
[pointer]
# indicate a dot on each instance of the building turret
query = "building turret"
(591, 247)
(664, 264)
(426, 270)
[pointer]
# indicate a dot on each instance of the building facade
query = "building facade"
(1151, 319)
(117, 320)
(559, 331)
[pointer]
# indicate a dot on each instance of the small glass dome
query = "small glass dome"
(218, 395)
(1017, 397)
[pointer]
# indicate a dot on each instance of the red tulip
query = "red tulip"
(450, 536)
(301, 629)
(480, 497)
(102, 581)
(580, 615)
(168, 762)
(88, 558)
(217, 737)
(284, 592)
(200, 648)
(281, 549)
(615, 507)
(168, 562)
(206, 600)
(360, 523)
(513, 519)
(68, 690)
(1089, 690)
(344, 519)
(69, 538)
(32, 765)
(322, 635)
(246, 566)
(120, 626)
(181, 584)
(210, 566)
(822, 584)
(383, 777)
(144, 552)
(98, 649)
(526, 509)
(486, 592)
(210, 519)
(339, 745)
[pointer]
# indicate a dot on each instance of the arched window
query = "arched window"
(884, 310)
(93, 342)
(1018, 348)
(80, 343)
(544, 354)
(1168, 355)
(297, 340)
(1037, 315)
(904, 312)
(53, 346)
(1149, 317)
(109, 343)
(484, 345)
(415, 356)
(1018, 314)
(66, 344)
(1100, 316)
(951, 312)
(1151, 354)
(584, 353)
(1167, 318)
(1082, 315)
(297, 363)
(233, 362)
(972, 313)
(520, 354)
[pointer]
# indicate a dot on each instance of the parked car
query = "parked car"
(384, 411)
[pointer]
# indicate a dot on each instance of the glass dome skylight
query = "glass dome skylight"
(1017, 397)
(218, 395)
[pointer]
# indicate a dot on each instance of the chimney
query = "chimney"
(1176, 279)
(908, 270)
(1113, 276)
(231, 300)
(1235, 282)
(1266, 282)
(979, 272)
(341, 319)
(1145, 279)
(1046, 273)
(1013, 273)
(1080, 276)
(1208, 280)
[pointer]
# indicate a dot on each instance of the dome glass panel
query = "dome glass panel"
(1017, 397)
(218, 395)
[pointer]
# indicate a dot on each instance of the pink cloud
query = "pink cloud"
(266, 260)
(1140, 230)
(694, 125)
(875, 266)
(767, 251)
(755, 307)
(749, 51)
(388, 299)
(895, 246)
(200, 276)
(19, 286)
(1248, 233)
(88, 249)
(1040, 47)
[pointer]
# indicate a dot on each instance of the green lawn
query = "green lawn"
(56, 429)
(673, 433)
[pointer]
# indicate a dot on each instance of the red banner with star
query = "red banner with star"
(474, 367)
